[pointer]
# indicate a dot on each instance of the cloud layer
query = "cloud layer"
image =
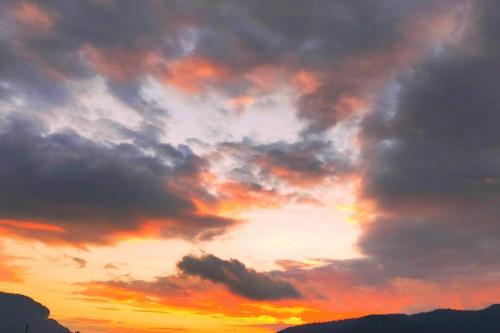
(396, 97)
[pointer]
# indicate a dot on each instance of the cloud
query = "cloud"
(334, 289)
(247, 174)
(302, 164)
(81, 263)
(199, 278)
(429, 191)
(30, 14)
(430, 153)
(238, 278)
(114, 265)
(93, 192)
(198, 47)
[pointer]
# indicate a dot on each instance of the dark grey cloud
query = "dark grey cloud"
(431, 155)
(197, 275)
(238, 278)
(92, 190)
(339, 41)
(310, 33)
(34, 62)
(240, 36)
(40, 62)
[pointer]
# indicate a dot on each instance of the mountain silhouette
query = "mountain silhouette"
(18, 311)
(437, 321)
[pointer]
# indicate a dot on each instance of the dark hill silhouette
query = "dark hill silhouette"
(437, 321)
(17, 311)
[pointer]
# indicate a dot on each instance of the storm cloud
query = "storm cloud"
(432, 160)
(93, 191)
(239, 279)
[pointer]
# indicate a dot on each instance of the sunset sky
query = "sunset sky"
(243, 166)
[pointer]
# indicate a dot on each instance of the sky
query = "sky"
(221, 166)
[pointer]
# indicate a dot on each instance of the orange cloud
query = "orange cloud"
(238, 196)
(306, 81)
(32, 16)
(296, 178)
(231, 196)
(240, 102)
(123, 65)
(191, 74)
(234, 197)
(8, 274)
(264, 78)
(34, 226)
